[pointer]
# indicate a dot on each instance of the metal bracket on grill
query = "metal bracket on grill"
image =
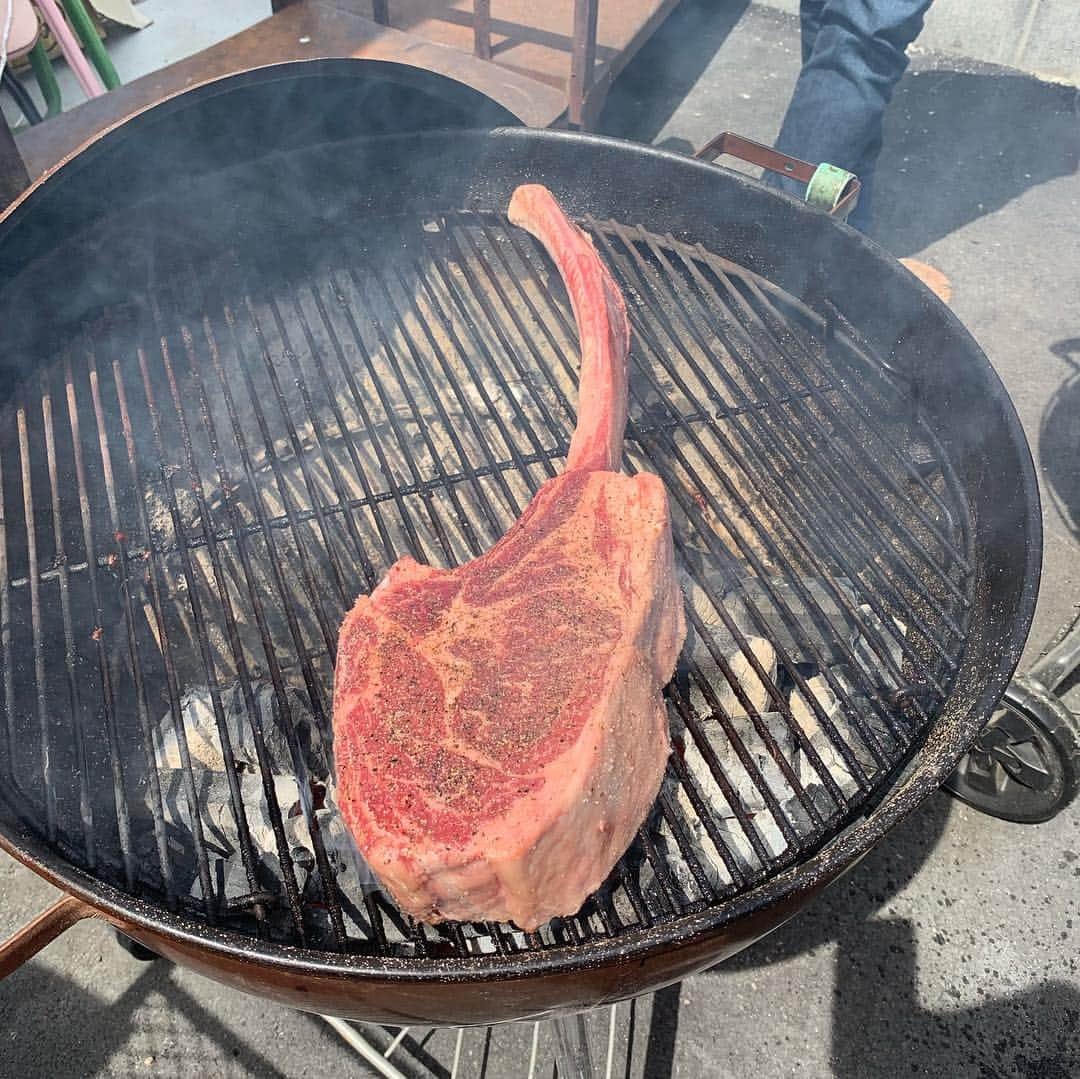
(828, 188)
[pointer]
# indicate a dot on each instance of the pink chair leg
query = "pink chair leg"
(69, 45)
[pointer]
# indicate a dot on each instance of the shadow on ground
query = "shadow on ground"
(1059, 438)
(960, 145)
(658, 79)
(54, 1028)
(878, 1020)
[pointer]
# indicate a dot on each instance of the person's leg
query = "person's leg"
(809, 24)
(856, 58)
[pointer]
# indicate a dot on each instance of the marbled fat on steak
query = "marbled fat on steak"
(499, 730)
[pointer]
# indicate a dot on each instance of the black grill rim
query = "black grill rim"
(929, 767)
(799, 882)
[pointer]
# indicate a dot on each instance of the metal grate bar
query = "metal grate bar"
(675, 491)
(328, 631)
(853, 454)
(157, 807)
(108, 700)
(35, 619)
(374, 914)
(477, 295)
(314, 495)
(838, 329)
(321, 439)
(848, 470)
(357, 399)
(734, 870)
(493, 469)
(883, 450)
(808, 514)
(845, 474)
(420, 364)
(792, 575)
(196, 486)
(528, 338)
(86, 811)
(156, 569)
(277, 680)
(540, 455)
(345, 433)
(686, 848)
(402, 442)
(239, 811)
(389, 354)
(669, 890)
(633, 893)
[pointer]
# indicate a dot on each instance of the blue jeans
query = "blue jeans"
(853, 54)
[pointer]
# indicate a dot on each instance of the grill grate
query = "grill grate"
(194, 491)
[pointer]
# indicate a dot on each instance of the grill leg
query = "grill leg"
(364, 1048)
(572, 1048)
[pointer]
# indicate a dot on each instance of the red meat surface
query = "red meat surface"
(499, 732)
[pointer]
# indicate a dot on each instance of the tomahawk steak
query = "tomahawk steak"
(499, 731)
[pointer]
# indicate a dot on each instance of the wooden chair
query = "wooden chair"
(555, 42)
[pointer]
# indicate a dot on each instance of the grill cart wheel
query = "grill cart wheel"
(1025, 765)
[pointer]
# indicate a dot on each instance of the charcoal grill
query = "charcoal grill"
(233, 407)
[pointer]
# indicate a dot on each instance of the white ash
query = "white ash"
(838, 632)
(749, 603)
(293, 783)
(867, 655)
(803, 712)
(743, 672)
(204, 742)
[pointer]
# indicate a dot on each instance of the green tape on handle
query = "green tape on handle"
(826, 186)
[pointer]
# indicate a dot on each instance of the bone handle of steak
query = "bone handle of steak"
(603, 328)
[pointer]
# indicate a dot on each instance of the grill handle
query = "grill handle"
(827, 187)
(43, 930)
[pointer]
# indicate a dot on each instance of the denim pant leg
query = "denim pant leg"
(853, 57)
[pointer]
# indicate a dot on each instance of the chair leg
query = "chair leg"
(84, 73)
(582, 59)
(46, 79)
(22, 96)
(87, 33)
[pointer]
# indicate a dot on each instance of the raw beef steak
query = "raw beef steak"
(499, 730)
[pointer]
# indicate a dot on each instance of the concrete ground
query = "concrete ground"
(954, 949)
